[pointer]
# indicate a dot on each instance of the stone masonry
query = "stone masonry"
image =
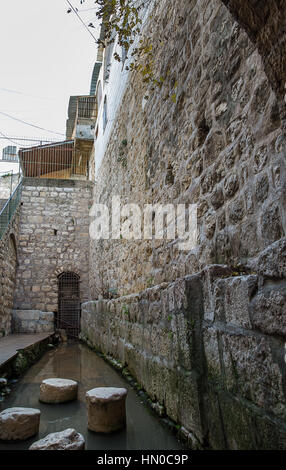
(209, 348)
(8, 266)
(202, 331)
(53, 238)
(219, 145)
(8, 184)
(32, 321)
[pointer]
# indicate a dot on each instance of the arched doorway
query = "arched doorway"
(69, 303)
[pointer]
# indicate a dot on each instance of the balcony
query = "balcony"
(82, 116)
(59, 160)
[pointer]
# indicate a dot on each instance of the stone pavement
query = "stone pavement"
(11, 344)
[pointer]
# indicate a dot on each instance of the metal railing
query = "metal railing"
(86, 107)
(56, 161)
(8, 182)
(9, 209)
(70, 329)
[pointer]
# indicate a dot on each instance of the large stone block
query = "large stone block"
(27, 314)
(232, 298)
(212, 353)
(252, 369)
(19, 423)
(268, 308)
(68, 439)
(58, 390)
(188, 411)
(32, 321)
(106, 409)
(209, 275)
(246, 428)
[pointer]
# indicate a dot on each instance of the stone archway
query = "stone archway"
(67, 267)
(265, 23)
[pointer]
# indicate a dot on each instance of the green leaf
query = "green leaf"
(174, 97)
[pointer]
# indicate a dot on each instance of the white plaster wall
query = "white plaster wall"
(114, 89)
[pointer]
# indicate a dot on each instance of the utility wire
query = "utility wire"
(87, 9)
(7, 90)
(26, 139)
(28, 124)
(10, 140)
(16, 140)
(75, 11)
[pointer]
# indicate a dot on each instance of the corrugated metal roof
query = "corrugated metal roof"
(68, 143)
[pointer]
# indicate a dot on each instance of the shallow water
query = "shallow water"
(77, 362)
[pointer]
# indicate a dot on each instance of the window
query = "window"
(107, 61)
(99, 94)
(105, 118)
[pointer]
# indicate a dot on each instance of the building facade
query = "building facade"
(202, 330)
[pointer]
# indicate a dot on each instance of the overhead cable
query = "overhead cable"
(29, 124)
(86, 27)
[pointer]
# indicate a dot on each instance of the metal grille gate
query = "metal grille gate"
(69, 304)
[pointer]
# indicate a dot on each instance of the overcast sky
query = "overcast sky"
(46, 56)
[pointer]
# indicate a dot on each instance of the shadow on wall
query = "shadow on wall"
(264, 22)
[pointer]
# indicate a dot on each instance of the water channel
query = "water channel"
(75, 361)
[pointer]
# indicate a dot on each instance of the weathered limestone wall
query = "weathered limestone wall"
(207, 338)
(209, 347)
(8, 266)
(7, 185)
(220, 145)
(32, 321)
(264, 22)
(53, 238)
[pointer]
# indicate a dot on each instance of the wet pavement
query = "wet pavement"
(75, 361)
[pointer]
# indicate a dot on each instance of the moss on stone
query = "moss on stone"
(27, 357)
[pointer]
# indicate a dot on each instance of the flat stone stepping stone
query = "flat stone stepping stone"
(106, 409)
(58, 390)
(68, 439)
(19, 423)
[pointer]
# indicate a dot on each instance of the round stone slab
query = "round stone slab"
(106, 409)
(19, 423)
(58, 390)
(68, 439)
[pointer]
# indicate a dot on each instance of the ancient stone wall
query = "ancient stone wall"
(209, 348)
(53, 238)
(264, 21)
(202, 331)
(8, 266)
(32, 321)
(8, 184)
(210, 135)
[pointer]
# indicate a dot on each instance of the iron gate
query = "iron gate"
(69, 304)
